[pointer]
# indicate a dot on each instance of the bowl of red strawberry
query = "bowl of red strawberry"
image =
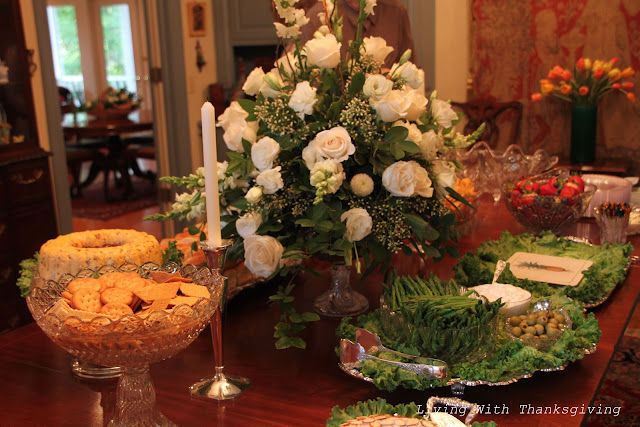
(549, 201)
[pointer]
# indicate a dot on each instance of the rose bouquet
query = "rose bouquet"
(588, 81)
(332, 158)
(113, 103)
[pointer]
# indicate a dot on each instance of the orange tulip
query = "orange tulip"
(536, 97)
(546, 87)
(627, 72)
(583, 90)
(597, 74)
(631, 97)
(616, 86)
(580, 64)
(628, 85)
(566, 74)
(565, 89)
(587, 64)
(614, 74)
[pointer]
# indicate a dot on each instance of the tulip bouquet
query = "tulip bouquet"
(332, 158)
(587, 83)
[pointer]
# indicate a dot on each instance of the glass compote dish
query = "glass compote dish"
(132, 342)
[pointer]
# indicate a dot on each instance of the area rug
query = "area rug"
(93, 205)
(620, 386)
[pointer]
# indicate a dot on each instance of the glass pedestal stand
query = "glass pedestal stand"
(340, 300)
(221, 386)
(92, 371)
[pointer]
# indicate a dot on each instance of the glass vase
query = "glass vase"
(340, 300)
(584, 120)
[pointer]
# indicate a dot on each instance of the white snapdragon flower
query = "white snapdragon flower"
(369, 5)
(358, 224)
(303, 99)
(327, 177)
(270, 180)
(376, 86)
(375, 48)
(287, 32)
(445, 172)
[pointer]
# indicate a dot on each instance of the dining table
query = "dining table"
(298, 387)
(79, 126)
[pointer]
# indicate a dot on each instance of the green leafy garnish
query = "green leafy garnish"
(28, 269)
(172, 254)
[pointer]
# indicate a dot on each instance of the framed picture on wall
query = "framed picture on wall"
(197, 18)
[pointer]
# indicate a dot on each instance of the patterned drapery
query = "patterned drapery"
(515, 43)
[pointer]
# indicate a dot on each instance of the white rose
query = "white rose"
(405, 179)
(248, 224)
(361, 185)
(415, 134)
(443, 113)
(254, 195)
(334, 143)
(236, 132)
(408, 72)
(270, 180)
(327, 175)
(323, 52)
(272, 87)
(445, 172)
(376, 86)
(232, 115)
(393, 106)
(262, 255)
(303, 99)
(369, 5)
(288, 63)
(358, 223)
(430, 144)
(264, 152)
(418, 104)
(254, 82)
(376, 48)
(424, 186)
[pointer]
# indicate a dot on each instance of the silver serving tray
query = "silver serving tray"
(453, 382)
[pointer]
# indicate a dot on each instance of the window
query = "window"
(65, 47)
(118, 47)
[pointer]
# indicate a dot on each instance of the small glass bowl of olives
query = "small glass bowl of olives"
(539, 328)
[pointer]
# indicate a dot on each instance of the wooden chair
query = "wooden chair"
(490, 111)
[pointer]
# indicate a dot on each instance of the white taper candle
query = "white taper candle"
(208, 114)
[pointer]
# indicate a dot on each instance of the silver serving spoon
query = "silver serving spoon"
(373, 344)
(351, 354)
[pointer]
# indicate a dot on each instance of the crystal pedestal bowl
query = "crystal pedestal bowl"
(132, 342)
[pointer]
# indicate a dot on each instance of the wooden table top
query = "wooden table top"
(290, 387)
(84, 126)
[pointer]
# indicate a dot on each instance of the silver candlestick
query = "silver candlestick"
(220, 386)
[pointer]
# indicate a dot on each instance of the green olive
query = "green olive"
(553, 333)
(559, 317)
(542, 320)
(553, 321)
(526, 336)
(530, 330)
(514, 321)
(539, 329)
(516, 331)
(523, 325)
(531, 321)
(544, 337)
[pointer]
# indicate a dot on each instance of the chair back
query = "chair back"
(495, 114)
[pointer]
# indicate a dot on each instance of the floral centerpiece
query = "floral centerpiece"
(113, 103)
(331, 158)
(583, 88)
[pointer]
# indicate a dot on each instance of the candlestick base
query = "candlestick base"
(220, 387)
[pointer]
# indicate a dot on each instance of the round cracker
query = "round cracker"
(116, 296)
(83, 282)
(87, 299)
(115, 310)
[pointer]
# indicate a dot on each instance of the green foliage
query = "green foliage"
(291, 323)
(172, 254)
(28, 269)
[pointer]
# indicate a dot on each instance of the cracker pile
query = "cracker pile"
(119, 294)
(386, 421)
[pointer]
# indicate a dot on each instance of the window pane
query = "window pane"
(118, 48)
(65, 47)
